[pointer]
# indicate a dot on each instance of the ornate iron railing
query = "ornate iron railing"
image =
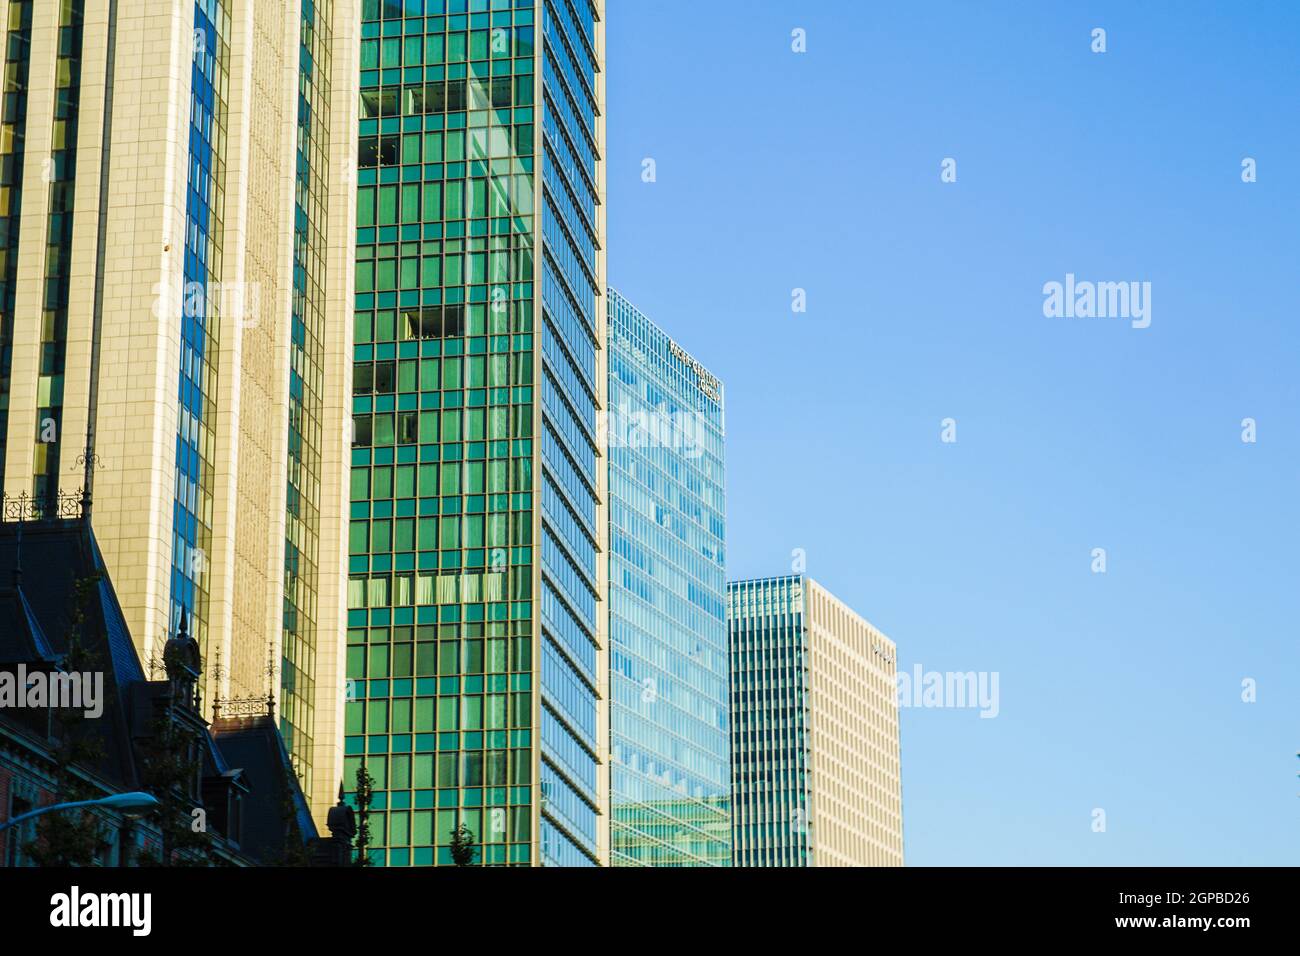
(244, 707)
(59, 507)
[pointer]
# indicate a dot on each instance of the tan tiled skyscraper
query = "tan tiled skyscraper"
(176, 223)
(814, 740)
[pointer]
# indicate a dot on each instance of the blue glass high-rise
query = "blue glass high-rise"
(669, 773)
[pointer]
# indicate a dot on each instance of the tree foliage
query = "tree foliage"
(77, 837)
(463, 849)
(365, 795)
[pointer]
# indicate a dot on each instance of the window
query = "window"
(408, 428)
(378, 103)
(434, 321)
(20, 834)
(362, 431)
(369, 55)
(501, 86)
(377, 151)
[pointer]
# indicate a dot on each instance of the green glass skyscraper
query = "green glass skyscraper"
(668, 633)
(475, 633)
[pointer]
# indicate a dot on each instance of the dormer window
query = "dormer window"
(235, 827)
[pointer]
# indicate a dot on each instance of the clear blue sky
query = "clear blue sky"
(821, 171)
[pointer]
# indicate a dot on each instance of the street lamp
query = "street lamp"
(136, 801)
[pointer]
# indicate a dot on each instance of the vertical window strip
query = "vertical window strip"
(198, 308)
(13, 132)
(60, 173)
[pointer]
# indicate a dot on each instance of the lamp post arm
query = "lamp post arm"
(22, 817)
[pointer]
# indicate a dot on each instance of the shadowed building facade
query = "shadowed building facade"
(669, 777)
(59, 620)
(176, 215)
(814, 739)
(476, 622)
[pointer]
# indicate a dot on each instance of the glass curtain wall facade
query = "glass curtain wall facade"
(669, 760)
(306, 386)
(200, 338)
(770, 722)
(474, 594)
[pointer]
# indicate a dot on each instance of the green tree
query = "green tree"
(72, 838)
(365, 795)
(463, 849)
(169, 765)
(294, 851)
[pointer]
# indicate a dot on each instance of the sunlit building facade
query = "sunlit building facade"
(176, 222)
(476, 634)
(814, 739)
(669, 742)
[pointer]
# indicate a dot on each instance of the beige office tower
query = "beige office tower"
(814, 730)
(176, 223)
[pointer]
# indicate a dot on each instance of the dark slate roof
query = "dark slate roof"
(126, 662)
(53, 559)
(36, 619)
(55, 556)
(22, 639)
(254, 745)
